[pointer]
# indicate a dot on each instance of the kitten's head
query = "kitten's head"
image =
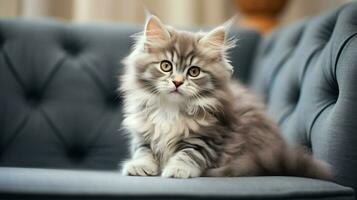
(179, 65)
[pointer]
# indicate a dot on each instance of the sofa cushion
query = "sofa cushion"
(52, 183)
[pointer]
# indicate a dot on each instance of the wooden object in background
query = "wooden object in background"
(260, 14)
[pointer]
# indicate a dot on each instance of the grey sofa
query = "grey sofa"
(60, 112)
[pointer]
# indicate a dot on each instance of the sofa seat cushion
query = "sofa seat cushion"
(17, 183)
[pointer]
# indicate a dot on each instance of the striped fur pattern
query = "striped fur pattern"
(209, 125)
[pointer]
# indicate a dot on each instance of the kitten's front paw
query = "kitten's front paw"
(140, 167)
(181, 171)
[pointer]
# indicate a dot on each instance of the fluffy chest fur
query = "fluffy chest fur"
(162, 123)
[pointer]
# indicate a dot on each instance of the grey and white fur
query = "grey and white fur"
(186, 118)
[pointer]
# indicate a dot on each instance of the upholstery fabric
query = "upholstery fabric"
(308, 74)
(47, 183)
(59, 105)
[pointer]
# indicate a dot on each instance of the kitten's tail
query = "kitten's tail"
(293, 162)
(298, 162)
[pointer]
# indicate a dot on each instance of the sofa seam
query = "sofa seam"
(340, 52)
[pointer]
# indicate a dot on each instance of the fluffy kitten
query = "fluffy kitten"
(185, 117)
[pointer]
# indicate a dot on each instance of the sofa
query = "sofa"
(60, 111)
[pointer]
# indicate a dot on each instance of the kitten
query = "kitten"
(186, 118)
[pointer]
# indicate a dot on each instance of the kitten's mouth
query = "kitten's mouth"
(175, 91)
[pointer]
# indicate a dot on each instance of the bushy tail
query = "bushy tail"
(293, 162)
(298, 162)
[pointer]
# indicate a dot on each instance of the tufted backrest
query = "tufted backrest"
(308, 75)
(59, 106)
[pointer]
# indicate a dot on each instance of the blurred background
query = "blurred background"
(263, 15)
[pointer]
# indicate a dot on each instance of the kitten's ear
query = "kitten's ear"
(155, 32)
(214, 39)
(217, 40)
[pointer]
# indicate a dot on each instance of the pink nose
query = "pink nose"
(177, 83)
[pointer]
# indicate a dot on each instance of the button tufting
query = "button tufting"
(2, 41)
(295, 97)
(34, 97)
(72, 48)
(113, 99)
(76, 153)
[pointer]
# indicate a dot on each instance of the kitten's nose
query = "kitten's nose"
(177, 83)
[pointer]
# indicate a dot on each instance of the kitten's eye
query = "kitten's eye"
(166, 66)
(194, 71)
